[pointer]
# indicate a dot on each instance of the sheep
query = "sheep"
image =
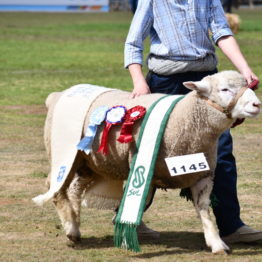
(233, 21)
(194, 125)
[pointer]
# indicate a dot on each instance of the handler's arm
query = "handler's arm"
(139, 82)
(230, 48)
(139, 30)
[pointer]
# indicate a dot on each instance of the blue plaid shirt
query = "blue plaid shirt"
(178, 29)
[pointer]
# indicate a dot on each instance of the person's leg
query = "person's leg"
(227, 209)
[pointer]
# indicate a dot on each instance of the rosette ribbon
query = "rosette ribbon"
(96, 118)
(132, 115)
(114, 116)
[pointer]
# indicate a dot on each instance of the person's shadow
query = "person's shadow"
(181, 242)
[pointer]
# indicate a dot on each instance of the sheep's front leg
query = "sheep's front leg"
(67, 216)
(68, 205)
(201, 196)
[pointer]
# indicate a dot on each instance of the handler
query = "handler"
(181, 50)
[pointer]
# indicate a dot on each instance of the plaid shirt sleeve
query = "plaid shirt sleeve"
(218, 22)
(139, 30)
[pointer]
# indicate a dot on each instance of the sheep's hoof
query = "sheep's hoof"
(222, 252)
(74, 239)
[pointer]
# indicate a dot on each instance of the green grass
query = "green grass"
(45, 52)
(55, 51)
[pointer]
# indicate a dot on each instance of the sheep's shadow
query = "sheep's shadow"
(181, 242)
(185, 240)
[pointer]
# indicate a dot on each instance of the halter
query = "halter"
(226, 110)
(253, 85)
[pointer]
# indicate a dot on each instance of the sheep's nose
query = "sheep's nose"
(257, 104)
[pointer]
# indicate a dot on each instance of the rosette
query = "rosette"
(114, 116)
(132, 115)
(96, 118)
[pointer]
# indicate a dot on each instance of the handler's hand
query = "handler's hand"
(139, 82)
(140, 89)
(249, 76)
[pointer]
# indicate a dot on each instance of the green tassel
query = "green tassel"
(125, 236)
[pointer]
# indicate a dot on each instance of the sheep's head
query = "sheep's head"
(222, 88)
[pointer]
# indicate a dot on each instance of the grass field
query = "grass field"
(41, 53)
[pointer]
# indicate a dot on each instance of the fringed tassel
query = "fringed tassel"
(125, 236)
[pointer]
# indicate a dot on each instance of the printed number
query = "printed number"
(202, 165)
(174, 169)
(194, 167)
(183, 167)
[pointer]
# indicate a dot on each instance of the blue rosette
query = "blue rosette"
(96, 118)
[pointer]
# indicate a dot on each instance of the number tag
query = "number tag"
(181, 165)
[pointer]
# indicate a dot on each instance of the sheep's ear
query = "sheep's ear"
(200, 86)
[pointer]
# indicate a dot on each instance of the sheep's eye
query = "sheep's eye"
(224, 89)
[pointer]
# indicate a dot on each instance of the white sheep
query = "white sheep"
(194, 126)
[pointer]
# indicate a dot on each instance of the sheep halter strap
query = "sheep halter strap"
(141, 172)
(226, 110)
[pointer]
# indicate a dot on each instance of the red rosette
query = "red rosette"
(132, 115)
(114, 116)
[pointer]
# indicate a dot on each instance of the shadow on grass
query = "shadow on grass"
(186, 240)
(181, 242)
(236, 250)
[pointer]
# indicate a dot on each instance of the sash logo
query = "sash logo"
(139, 179)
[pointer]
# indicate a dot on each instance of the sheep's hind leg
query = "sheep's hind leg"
(201, 196)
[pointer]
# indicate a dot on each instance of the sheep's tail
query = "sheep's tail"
(40, 200)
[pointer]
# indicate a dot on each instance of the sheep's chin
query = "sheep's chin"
(252, 114)
(247, 114)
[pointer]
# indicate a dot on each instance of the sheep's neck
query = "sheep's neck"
(198, 123)
(203, 116)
